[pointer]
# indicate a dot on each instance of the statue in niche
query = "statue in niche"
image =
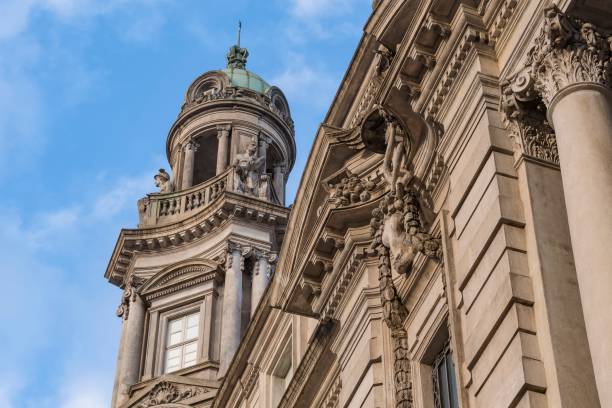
(397, 153)
(163, 182)
(249, 176)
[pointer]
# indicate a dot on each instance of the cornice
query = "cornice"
(231, 206)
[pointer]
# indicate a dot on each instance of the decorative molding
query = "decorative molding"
(167, 393)
(568, 51)
(332, 399)
(249, 378)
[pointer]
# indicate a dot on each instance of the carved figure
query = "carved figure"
(162, 181)
(397, 152)
(249, 177)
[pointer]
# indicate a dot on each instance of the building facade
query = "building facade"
(448, 242)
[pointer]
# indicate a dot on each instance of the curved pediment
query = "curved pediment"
(180, 276)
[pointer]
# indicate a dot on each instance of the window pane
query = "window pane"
(190, 353)
(175, 332)
(173, 359)
(192, 321)
(192, 333)
(175, 338)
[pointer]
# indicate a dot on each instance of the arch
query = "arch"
(210, 83)
(183, 273)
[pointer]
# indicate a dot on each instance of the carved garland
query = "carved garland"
(398, 236)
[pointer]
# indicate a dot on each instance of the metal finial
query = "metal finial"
(239, 29)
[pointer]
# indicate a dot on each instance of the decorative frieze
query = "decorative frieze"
(568, 51)
(169, 393)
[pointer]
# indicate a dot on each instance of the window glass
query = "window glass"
(182, 343)
(444, 381)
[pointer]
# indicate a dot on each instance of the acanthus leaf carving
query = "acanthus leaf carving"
(568, 51)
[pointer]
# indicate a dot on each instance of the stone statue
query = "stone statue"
(397, 153)
(249, 177)
(162, 181)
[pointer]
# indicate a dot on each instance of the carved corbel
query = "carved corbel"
(524, 115)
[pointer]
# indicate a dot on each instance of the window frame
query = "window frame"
(181, 345)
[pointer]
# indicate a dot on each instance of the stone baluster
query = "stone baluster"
(232, 306)
(223, 132)
(279, 183)
(188, 164)
(569, 69)
(133, 313)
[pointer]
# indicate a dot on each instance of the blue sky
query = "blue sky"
(88, 91)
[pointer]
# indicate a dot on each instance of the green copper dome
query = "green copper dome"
(238, 75)
(243, 78)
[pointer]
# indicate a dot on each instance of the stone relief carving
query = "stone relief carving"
(568, 51)
(163, 181)
(397, 153)
(166, 393)
(250, 177)
(398, 236)
(351, 190)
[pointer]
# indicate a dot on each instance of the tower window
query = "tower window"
(182, 342)
(444, 382)
(281, 374)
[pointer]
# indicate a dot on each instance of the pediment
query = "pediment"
(180, 276)
(172, 392)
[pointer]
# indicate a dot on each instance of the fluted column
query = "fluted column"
(279, 183)
(232, 306)
(133, 312)
(188, 164)
(569, 69)
(261, 277)
(223, 132)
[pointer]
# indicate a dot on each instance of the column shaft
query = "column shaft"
(223, 147)
(132, 347)
(582, 118)
(188, 165)
(260, 282)
(279, 184)
(232, 308)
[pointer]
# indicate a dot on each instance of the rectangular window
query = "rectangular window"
(182, 342)
(281, 374)
(444, 381)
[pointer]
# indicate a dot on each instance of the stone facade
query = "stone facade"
(448, 243)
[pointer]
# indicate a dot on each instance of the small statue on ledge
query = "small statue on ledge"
(397, 153)
(249, 177)
(162, 181)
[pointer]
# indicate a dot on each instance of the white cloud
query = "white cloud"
(319, 8)
(81, 393)
(303, 83)
(126, 191)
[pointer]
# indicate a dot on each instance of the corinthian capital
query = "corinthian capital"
(568, 51)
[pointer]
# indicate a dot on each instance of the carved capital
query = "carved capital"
(130, 291)
(223, 130)
(568, 51)
(525, 118)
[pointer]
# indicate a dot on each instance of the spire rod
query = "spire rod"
(239, 29)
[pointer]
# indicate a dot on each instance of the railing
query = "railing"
(156, 208)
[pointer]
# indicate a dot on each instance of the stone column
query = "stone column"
(569, 69)
(261, 277)
(131, 347)
(279, 183)
(188, 164)
(232, 306)
(223, 132)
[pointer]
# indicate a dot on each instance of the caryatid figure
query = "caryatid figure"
(397, 153)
